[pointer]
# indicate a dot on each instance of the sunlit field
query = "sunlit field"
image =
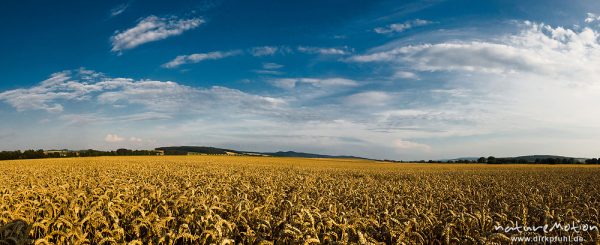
(264, 200)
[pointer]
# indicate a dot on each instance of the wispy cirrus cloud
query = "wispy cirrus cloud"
(269, 69)
(290, 83)
(67, 87)
(119, 9)
(401, 27)
(268, 50)
(150, 29)
(81, 119)
(47, 95)
(410, 145)
(271, 66)
(324, 51)
(368, 98)
(196, 58)
(406, 75)
(259, 51)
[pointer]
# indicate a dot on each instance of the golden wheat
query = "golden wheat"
(262, 200)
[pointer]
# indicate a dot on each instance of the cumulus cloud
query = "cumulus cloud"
(135, 139)
(196, 58)
(401, 27)
(540, 78)
(150, 29)
(113, 138)
(591, 17)
(538, 49)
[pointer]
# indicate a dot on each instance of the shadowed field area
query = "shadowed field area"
(253, 200)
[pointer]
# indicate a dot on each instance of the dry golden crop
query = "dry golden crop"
(264, 200)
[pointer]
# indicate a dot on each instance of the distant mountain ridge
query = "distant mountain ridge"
(305, 155)
(187, 150)
(184, 150)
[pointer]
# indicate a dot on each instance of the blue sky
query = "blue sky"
(383, 79)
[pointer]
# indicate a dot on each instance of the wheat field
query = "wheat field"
(266, 200)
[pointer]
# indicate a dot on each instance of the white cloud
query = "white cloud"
(591, 17)
(135, 139)
(171, 96)
(48, 94)
(539, 80)
(113, 138)
(150, 29)
(401, 27)
(82, 119)
(290, 83)
(269, 69)
(323, 51)
(268, 72)
(84, 86)
(406, 75)
(539, 49)
(490, 95)
(369, 98)
(119, 9)
(196, 58)
(175, 114)
(268, 50)
(271, 66)
(285, 83)
(409, 145)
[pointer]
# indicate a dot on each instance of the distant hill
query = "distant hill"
(184, 150)
(305, 155)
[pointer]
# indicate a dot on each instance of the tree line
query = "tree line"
(36, 154)
(548, 160)
(494, 160)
